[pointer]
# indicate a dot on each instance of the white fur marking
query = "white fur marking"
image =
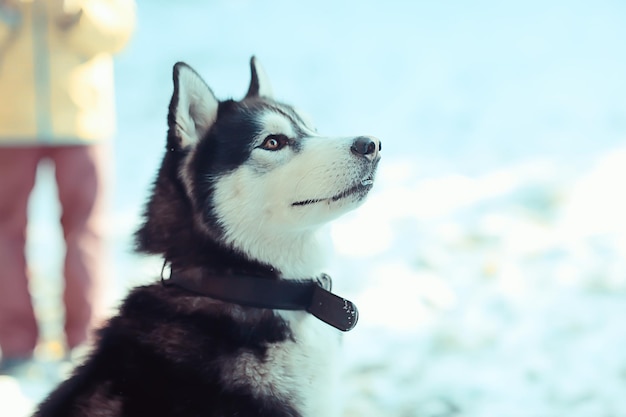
(256, 209)
(196, 110)
(302, 371)
(275, 123)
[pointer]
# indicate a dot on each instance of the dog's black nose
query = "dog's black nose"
(366, 146)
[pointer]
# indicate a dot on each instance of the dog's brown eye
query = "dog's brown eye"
(274, 142)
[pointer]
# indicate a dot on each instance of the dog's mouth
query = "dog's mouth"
(360, 189)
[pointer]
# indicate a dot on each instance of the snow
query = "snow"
(489, 263)
(513, 310)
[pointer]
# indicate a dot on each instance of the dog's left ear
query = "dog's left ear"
(259, 84)
(193, 108)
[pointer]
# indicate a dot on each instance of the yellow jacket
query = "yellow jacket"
(56, 69)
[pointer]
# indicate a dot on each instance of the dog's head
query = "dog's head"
(254, 171)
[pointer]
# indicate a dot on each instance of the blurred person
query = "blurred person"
(56, 104)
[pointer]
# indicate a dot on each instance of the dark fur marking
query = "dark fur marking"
(182, 377)
(170, 229)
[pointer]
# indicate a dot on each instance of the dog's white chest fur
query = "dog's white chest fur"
(302, 370)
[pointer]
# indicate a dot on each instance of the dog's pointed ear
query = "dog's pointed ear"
(259, 84)
(193, 108)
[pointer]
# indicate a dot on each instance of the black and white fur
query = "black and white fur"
(243, 188)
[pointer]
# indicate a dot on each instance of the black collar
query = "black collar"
(308, 295)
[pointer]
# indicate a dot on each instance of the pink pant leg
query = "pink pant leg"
(80, 176)
(18, 326)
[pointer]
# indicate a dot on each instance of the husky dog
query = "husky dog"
(244, 324)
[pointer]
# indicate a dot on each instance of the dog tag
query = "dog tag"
(333, 310)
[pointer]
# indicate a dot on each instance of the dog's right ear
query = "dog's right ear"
(259, 83)
(193, 108)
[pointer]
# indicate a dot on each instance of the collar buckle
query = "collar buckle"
(336, 311)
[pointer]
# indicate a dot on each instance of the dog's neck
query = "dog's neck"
(293, 255)
(296, 257)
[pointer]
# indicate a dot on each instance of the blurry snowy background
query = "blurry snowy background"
(489, 264)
